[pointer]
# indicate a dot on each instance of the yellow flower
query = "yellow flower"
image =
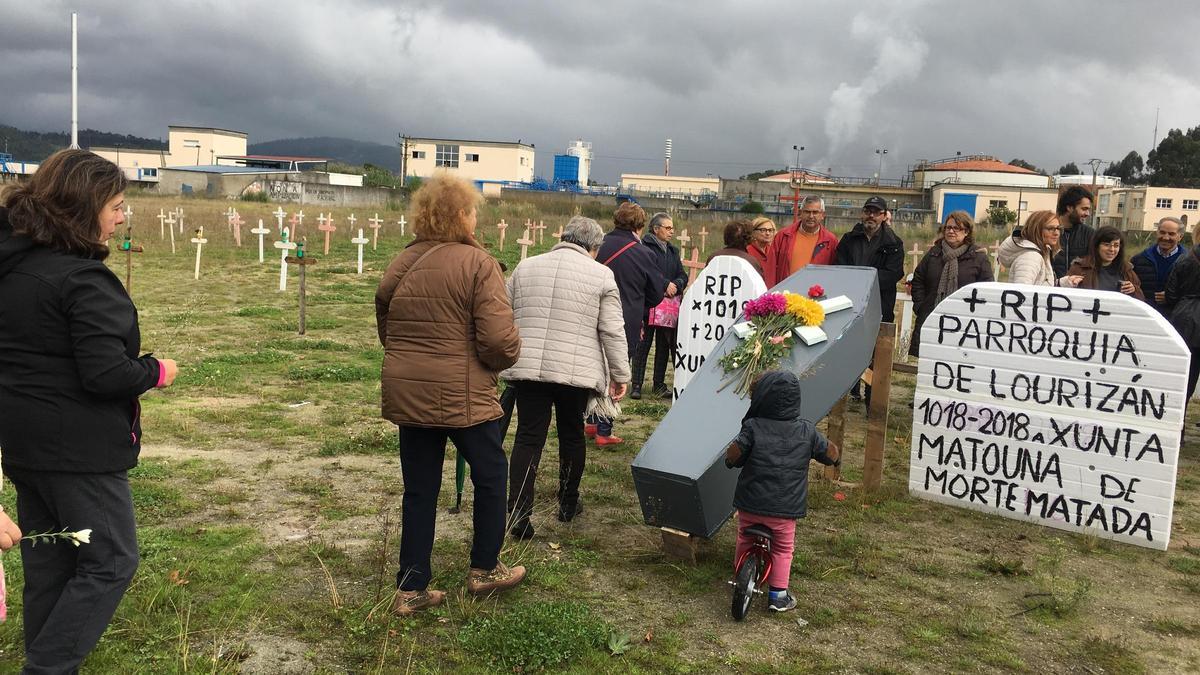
(807, 312)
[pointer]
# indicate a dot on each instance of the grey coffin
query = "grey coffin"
(680, 473)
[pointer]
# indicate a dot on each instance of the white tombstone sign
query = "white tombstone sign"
(1057, 406)
(711, 304)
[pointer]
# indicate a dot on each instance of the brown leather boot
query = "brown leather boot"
(407, 603)
(500, 578)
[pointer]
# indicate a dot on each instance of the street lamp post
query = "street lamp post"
(957, 159)
(798, 149)
(879, 174)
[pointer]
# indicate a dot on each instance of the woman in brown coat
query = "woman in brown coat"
(953, 262)
(1105, 267)
(447, 329)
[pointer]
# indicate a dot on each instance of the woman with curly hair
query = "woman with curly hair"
(446, 325)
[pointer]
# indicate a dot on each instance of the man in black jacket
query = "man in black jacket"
(1153, 265)
(873, 243)
(1074, 208)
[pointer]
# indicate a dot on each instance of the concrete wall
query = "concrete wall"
(497, 161)
(291, 188)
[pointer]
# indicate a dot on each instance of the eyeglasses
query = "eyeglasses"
(953, 228)
(764, 229)
(1052, 228)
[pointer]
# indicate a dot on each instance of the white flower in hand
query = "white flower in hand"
(81, 537)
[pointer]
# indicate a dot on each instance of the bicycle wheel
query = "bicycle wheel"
(743, 587)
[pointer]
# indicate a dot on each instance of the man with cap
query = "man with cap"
(873, 243)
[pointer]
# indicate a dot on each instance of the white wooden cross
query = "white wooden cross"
(279, 213)
(916, 254)
(683, 242)
(162, 216)
(171, 229)
(229, 212)
(375, 224)
(525, 243)
(235, 222)
(326, 226)
(179, 217)
(284, 246)
(402, 224)
(199, 241)
(128, 215)
(996, 267)
(502, 226)
(352, 220)
(359, 241)
(703, 239)
(260, 231)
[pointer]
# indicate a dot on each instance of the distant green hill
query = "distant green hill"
(35, 146)
(344, 150)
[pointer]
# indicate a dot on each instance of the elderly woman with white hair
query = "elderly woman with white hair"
(573, 350)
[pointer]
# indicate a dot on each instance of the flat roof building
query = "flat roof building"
(670, 186)
(488, 163)
(1140, 208)
(975, 170)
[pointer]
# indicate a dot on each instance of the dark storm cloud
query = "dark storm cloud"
(735, 85)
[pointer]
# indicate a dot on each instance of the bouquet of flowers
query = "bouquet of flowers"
(773, 316)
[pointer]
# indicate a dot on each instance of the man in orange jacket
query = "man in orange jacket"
(801, 243)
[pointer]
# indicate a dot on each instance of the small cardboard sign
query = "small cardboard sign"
(1058, 406)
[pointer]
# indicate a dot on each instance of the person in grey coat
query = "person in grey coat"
(658, 240)
(573, 355)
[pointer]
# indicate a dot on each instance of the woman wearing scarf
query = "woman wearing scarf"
(953, 262)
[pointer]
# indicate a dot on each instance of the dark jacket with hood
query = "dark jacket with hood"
(70, 374)
(638, 279)
(777, 447)
(1074, 244)
(886, 255)
(669, 262)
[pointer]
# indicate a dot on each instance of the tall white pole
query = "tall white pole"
(74, 81)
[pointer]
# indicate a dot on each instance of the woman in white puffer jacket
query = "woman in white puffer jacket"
(573, 348)
(1027, 253)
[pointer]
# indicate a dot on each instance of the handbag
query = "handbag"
(665, 314)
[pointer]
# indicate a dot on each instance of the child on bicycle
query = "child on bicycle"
(774, 448)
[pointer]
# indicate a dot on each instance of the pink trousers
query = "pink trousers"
(783, 541)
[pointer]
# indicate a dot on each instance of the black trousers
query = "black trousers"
(71, 592)
(1193, 373)
(534, 401)
(508, 400)
(664, 353)
(422, 452)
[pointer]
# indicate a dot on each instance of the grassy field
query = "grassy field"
(269, 502)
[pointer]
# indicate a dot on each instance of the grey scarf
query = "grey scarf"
(949, 281)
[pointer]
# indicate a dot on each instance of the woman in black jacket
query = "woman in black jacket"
(70, 377)
(953, 262)
(658, 240)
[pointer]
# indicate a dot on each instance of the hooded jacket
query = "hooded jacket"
(1025, 263)
(70, 373)
(777, 447)
(1074, 242)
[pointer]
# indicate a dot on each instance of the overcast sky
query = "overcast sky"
(734, 84)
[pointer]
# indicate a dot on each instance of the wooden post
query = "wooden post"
(302, 262)
(326, 225)
(129, 249)
(375, 224)
(679, 544)
(877, 412)
(836, 433)
(694, 265)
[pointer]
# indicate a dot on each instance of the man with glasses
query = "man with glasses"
(805, 242)
(1153, 265)
(873, 243)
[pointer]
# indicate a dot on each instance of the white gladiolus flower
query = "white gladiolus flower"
(81, 537)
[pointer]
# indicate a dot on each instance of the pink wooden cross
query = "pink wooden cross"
(326, 225)
(295, 221)
(694, 265)
(558, 235)
(375, 224)
(235, 222)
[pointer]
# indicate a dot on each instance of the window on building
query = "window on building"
(1191, 204)
(149, 172)
(998, 203)
(447, 156)
(1024, 206)
(471, 157)
(522, 161)
(1162, 203)
(418, 154)
(1137, 202)
(1120, 202)
(1102, 205)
